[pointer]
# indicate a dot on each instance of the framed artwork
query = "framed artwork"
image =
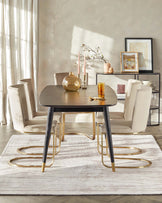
(144, 46)
(129, 62)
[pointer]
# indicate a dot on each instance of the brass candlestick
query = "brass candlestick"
(84, 83)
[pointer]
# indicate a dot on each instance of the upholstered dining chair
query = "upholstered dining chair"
(58, 78)
(133, 86)
(31, 106)
(140, 114)
(137, 125)
(19, 114)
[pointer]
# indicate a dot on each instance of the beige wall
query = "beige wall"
(65, 24)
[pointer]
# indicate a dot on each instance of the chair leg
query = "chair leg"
(57, 146)
(94, 126)
(54, 150)
(148, 163)
(63, 126)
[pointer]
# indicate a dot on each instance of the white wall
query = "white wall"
(65, 24)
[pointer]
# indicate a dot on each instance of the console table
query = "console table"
(155, 91)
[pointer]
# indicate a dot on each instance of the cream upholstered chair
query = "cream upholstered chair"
(58, 78)
(21, 123)
(19, 112)
(133, 86)
(137, 125)
(30, 100)
(140, 114)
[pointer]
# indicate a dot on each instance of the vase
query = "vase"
(71, 82)
(108, 69)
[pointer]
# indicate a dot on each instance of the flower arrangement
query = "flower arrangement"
(93, 54)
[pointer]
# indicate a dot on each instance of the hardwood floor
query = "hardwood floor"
(7, 131)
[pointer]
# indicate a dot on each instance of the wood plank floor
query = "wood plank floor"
(7, 131)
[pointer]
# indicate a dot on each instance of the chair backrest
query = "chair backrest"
(58, 77)
(129, 86)
(133, 86)
(141, 109)
(18, 106)
(29, 97)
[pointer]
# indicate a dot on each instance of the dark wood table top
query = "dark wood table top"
(56, 96)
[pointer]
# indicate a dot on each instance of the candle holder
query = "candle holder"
(84, 84)
(79, 80)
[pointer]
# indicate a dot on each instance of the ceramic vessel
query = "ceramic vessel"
(108, 69)
(71, 82)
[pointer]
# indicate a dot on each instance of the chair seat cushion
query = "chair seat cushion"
(113, 115)
(41, 113)
(116, 115)
(119, 126)
(57, 117)
(38, 128)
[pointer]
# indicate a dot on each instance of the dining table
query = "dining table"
(56, 99)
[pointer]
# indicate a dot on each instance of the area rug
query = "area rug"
(78, 170)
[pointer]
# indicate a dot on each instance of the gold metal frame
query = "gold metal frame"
(63, 125)
(148, 163)
(138, 151)
(19, 150)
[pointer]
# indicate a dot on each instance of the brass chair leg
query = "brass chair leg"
(63, 126)
(58, 146)
(54, 146)
(138, 151)
(94, 126)
(148, 163)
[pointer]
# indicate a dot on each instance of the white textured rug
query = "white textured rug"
(78, 169)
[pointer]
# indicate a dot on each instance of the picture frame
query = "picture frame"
(129, 62)
(144, 46)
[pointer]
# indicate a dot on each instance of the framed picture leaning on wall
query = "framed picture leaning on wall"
(129, 62)
(144, 46)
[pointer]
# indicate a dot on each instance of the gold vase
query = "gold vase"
(71, 83)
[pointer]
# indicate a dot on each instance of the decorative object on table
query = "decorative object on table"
(79, 68)
(101, 89)
(120, 89)
(96, 98)
(71, 82)
(129, 62)
(145, 48)
(79, 65)
(84, 86)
